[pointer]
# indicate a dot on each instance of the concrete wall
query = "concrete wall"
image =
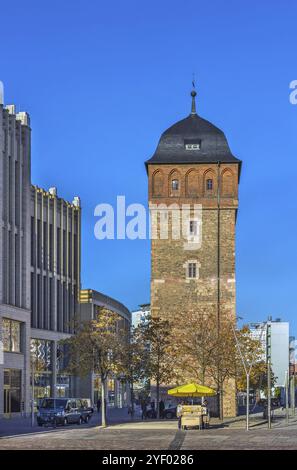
(15, 181)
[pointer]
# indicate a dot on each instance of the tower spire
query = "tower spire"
(193, 94)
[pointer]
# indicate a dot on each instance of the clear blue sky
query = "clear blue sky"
(102, 80)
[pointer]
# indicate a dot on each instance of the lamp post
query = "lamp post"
(287, 396)
(269, 393)
(33, 390)
(293, 393)
(268, 356)
(247, 368)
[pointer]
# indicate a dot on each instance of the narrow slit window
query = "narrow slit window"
(193, 227)
(209, 184)
(192, 270)
(175, 185)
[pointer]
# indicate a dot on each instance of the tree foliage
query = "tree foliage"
(99, 346)
(155, 334)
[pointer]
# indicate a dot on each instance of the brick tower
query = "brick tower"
(193, 165)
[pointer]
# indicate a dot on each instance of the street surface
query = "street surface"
(152, 435)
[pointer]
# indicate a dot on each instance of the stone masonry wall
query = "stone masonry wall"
(172, 292)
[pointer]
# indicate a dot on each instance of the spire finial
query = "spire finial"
(193, 94)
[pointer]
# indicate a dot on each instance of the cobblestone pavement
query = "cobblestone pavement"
(159, 435)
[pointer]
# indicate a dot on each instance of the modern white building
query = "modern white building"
(141, 316)
(274, 335)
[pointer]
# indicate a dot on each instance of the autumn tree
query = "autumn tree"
(193, 346)
(206, 350)
(251, 361)
(156, 335)
(98, 346)
(134, 362)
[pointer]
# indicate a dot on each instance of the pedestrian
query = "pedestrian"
(205, 416)
(98, 405)
(179, 413)
(153, 408)
(161, 408)
(144, 410)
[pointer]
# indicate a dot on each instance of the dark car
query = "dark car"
(89, 408)
(169, 413)
(62, 411)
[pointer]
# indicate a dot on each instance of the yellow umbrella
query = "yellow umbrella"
(192, 390)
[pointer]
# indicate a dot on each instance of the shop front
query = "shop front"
(12, 390)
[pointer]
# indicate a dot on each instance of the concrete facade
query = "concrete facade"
(40, 277)
(15, 181)
(55, 286)
(141, 316)
(274, 335)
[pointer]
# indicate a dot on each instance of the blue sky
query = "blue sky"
(102, 80)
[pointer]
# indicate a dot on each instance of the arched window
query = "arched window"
(209, 184)
(174, 185)
(158, 183)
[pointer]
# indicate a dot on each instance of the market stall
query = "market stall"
(192, 415)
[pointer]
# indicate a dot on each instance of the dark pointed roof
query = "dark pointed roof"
(193, 129)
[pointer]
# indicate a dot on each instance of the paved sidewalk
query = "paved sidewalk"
(17, 426)
(157, 435)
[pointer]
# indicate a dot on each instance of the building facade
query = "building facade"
(55, 285)
(141, 316)
(117, 392)
(15, 303)
(193, 167)
(40, 279)
(274, 335)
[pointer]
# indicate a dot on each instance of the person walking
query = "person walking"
(98, 405)
(161, 408)
(144, 410)
(205, 417)
(153, 409)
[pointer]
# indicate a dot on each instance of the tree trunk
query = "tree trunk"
(158, 397)
(103, 405)
(132, 400)
(221, 403)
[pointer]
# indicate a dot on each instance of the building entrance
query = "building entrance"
(12, 391)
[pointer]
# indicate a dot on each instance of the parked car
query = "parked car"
(89, 407)
(169, 413)
(62, 411)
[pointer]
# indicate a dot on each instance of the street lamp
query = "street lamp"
(247, 368)
(33, 392)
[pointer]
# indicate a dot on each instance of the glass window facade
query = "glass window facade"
(41, 354)
(41, 359)
(12, 391)
(11, 335)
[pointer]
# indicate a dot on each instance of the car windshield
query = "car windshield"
(51, 403)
